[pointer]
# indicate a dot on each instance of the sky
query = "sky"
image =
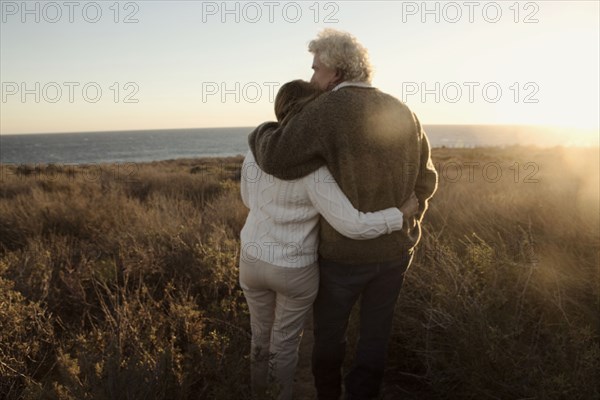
(107, 65)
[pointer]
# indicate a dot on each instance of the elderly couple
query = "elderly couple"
(337, 189)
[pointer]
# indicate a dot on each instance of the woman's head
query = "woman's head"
(292, 97)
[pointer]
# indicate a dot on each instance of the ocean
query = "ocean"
(165, 144)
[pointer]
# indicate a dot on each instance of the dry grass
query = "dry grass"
(120, 281)
(503, 300)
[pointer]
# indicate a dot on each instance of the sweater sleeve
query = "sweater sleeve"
(427, 179)
(248, 169)
(293, 150)
(329, 200)
(244, 185)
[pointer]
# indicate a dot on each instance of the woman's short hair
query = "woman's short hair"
(341, 50)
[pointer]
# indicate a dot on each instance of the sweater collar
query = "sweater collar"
(350, 83)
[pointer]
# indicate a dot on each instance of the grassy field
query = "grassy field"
(120, 281)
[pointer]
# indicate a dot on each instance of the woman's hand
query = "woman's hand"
(410, 206)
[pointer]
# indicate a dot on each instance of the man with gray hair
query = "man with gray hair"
(377, 151)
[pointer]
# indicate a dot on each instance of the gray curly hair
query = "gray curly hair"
(341, 50)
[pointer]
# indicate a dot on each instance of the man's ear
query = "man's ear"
(338, 76)
(337, 79)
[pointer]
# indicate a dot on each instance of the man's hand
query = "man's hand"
(410, 206)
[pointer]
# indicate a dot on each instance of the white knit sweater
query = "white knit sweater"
(282, 225)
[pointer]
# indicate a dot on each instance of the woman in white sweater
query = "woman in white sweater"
(279, 242)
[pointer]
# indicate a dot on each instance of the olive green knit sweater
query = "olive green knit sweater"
(376, 150)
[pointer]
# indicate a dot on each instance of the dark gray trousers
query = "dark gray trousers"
(341, 285)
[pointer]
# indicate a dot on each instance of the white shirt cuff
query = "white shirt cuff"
(393, 219)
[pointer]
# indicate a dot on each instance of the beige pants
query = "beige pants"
(279, 299)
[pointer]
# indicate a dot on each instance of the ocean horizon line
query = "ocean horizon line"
(511, 125)
(164, 144)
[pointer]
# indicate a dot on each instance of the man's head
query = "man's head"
(338, 57)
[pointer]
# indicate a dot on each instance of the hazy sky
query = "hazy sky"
(107, 65)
